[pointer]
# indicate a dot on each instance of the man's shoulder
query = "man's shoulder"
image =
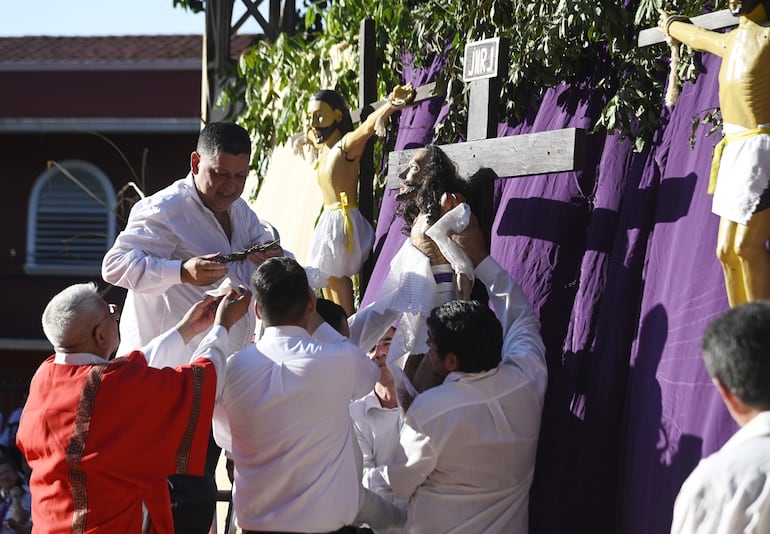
(133, 362)
(744, 461)
(249, 356)
(173, 194)
(357, 409)
(435, 402)
(346, 149)
(129, 369)
(360, 406)
(730, 486)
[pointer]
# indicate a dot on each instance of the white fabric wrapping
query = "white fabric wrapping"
(412, 290)
(455, 221)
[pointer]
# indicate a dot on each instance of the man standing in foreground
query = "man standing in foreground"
(729, 491)
(167, 255)
(167, 259)
(470, 442)
(283, 415)
(102, 435)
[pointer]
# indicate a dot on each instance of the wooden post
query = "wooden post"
(216, 52)
(367, 93)
(216, 42)
(490, 60)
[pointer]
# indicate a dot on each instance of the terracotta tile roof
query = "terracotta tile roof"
(130, 48)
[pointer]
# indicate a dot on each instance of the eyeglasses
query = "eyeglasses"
(114, 311)
(114, 314)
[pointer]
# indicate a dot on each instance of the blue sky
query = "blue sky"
(103, 17)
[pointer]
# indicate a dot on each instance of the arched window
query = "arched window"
(71, 223)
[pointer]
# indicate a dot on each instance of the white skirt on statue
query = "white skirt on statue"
(328, 252)
(744, 174)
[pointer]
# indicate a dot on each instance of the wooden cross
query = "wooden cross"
(513, 156)
(509, 157)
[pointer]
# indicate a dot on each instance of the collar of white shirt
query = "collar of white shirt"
(459, 376)
(284, 331)
(759, 426)
(79, 358)
(372, 402)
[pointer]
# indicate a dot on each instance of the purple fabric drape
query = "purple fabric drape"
(673, 413)
(618, 261)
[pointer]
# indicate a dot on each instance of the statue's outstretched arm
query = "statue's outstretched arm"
(696, 37)
(355, 141)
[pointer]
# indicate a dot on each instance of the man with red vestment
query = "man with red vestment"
(102, 435)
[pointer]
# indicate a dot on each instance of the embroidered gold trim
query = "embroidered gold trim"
(183, 454)
(77, 445)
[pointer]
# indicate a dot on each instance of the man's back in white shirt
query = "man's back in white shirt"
(470, 443)
(284, 418)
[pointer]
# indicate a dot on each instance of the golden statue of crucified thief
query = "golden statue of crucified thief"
(343, 237)
(741, 167)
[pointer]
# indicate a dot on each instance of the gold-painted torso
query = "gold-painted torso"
(337, 174)
(744, 77)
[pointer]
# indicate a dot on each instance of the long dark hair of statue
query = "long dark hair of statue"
(439, 177)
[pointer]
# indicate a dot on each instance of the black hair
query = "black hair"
(471, 331)
(281, 291)
(736, 351)
(331, 312)
(335, 101)
(224, 137)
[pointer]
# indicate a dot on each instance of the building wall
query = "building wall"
(68, 98)
(91, 93)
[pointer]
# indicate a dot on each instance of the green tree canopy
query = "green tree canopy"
(550, 43)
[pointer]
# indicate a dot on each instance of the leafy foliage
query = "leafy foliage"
(323, 53)
(193, 5)
(711, 116)
(583, 41)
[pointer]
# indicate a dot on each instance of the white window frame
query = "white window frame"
(87, 267)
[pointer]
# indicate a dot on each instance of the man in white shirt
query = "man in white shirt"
(469, 443)
(283, 415)
(376, 424)
(166, 258)
(729, 492)
(377, 421)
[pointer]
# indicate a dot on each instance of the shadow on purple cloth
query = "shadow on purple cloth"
(618, 261)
